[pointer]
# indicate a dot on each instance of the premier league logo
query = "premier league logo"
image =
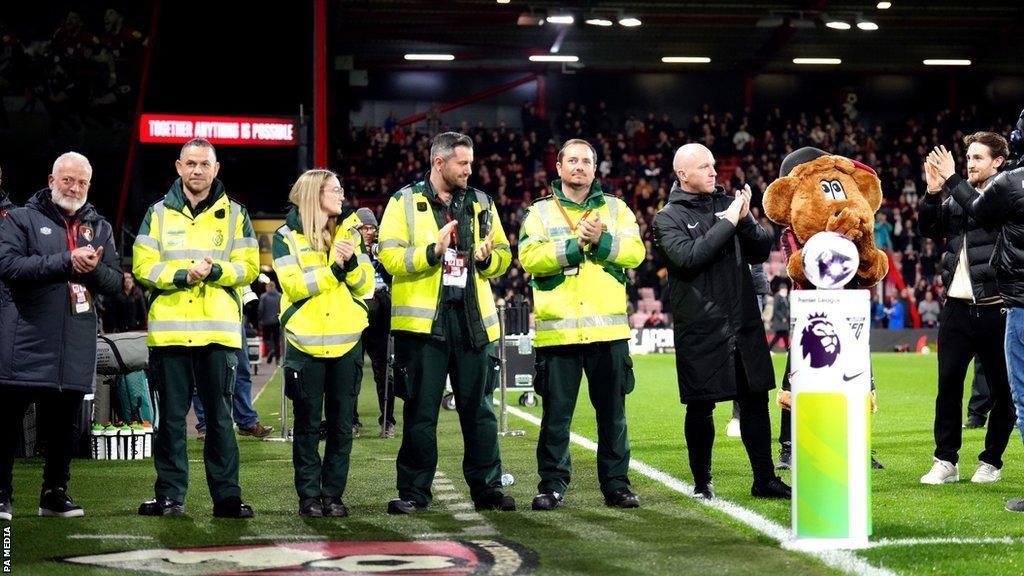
(820, 341)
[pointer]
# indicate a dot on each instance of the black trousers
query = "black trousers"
(966, 331)
(755, 431)
(59, 412)
(375, 340)
(272, 339)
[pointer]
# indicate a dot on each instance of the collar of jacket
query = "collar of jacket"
(294, 220)
(42, 202)
(431, 194)
(175, 198)
(677, 194)
(593, 201)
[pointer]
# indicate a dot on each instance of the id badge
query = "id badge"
(454, 269)
(81, 300)
(571, 270)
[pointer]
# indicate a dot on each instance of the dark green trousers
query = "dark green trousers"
(421, 365)
(175, 371)
(609, 371)
(328, 386)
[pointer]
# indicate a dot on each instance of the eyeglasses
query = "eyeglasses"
(340, 191)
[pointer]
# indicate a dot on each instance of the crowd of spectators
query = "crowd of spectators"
(82, 74)
(634, 162)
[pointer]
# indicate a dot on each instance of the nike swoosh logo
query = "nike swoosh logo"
(848, 378)
(691, 226)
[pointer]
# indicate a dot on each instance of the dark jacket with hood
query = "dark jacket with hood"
(717, 323)
(44, 343)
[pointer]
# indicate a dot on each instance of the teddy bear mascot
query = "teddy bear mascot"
(836, 197)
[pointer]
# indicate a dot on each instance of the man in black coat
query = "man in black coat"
(972, 324)
(1001, 206)
(708, 240)
(56, 255)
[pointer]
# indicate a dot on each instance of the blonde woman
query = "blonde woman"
(323, 271)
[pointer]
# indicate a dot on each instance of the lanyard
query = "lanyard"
(455, 234)
(72, 233)
(572, 227)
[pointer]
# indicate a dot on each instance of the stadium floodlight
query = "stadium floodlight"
(835, 23)
(599, 21)
(504, 1)
(629, 22)
(946, 62)
(431, 57)
(823, 61)
(866, 25)
(561, 19)
(686, 60)
(884, 5)
(553, 58)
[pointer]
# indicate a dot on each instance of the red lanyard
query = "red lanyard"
(455, 235)
(72, 232)
(572, 227)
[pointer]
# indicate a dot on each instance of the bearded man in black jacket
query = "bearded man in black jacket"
(56, 254)
(708, 240)
(973, 319)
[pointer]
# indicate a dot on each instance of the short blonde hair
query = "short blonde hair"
(305, 195)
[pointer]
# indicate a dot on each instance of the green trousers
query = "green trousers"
(421, 365)
(609, 371)
(175, 371)
(328, 386)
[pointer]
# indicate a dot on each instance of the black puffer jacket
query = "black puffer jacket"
(1002, 207)
(945, 221)
(714, 308)
(42, 342)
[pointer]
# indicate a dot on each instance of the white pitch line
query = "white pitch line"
(944, 540)
(842, 559)
(108, 537)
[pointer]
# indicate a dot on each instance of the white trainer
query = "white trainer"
(986, 474)
(733, 429)
(942, 472)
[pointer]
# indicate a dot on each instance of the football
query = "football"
(830, 260)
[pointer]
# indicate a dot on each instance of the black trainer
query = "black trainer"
(6, 512)
(704, 491)
(547, 501)
(495, 501)
(974, 422)
(311, 508)
(161, 506)
(774, 488)
(232, 507)
(55, 503)
(399, 506)
(1015, 505)
(785, 457)
(334, 507)
(622, 498)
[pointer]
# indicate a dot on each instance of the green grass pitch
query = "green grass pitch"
(923, 526)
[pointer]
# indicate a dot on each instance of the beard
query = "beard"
(454, 180)
(67, 203)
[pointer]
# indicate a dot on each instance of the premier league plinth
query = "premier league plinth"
(831, 387)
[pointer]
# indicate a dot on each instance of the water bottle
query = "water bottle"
(99, 444)
(507, 480)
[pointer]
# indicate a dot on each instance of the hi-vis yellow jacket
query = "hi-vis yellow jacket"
(171, 240)
(589, 303)
(322, 311)
(408, 232)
